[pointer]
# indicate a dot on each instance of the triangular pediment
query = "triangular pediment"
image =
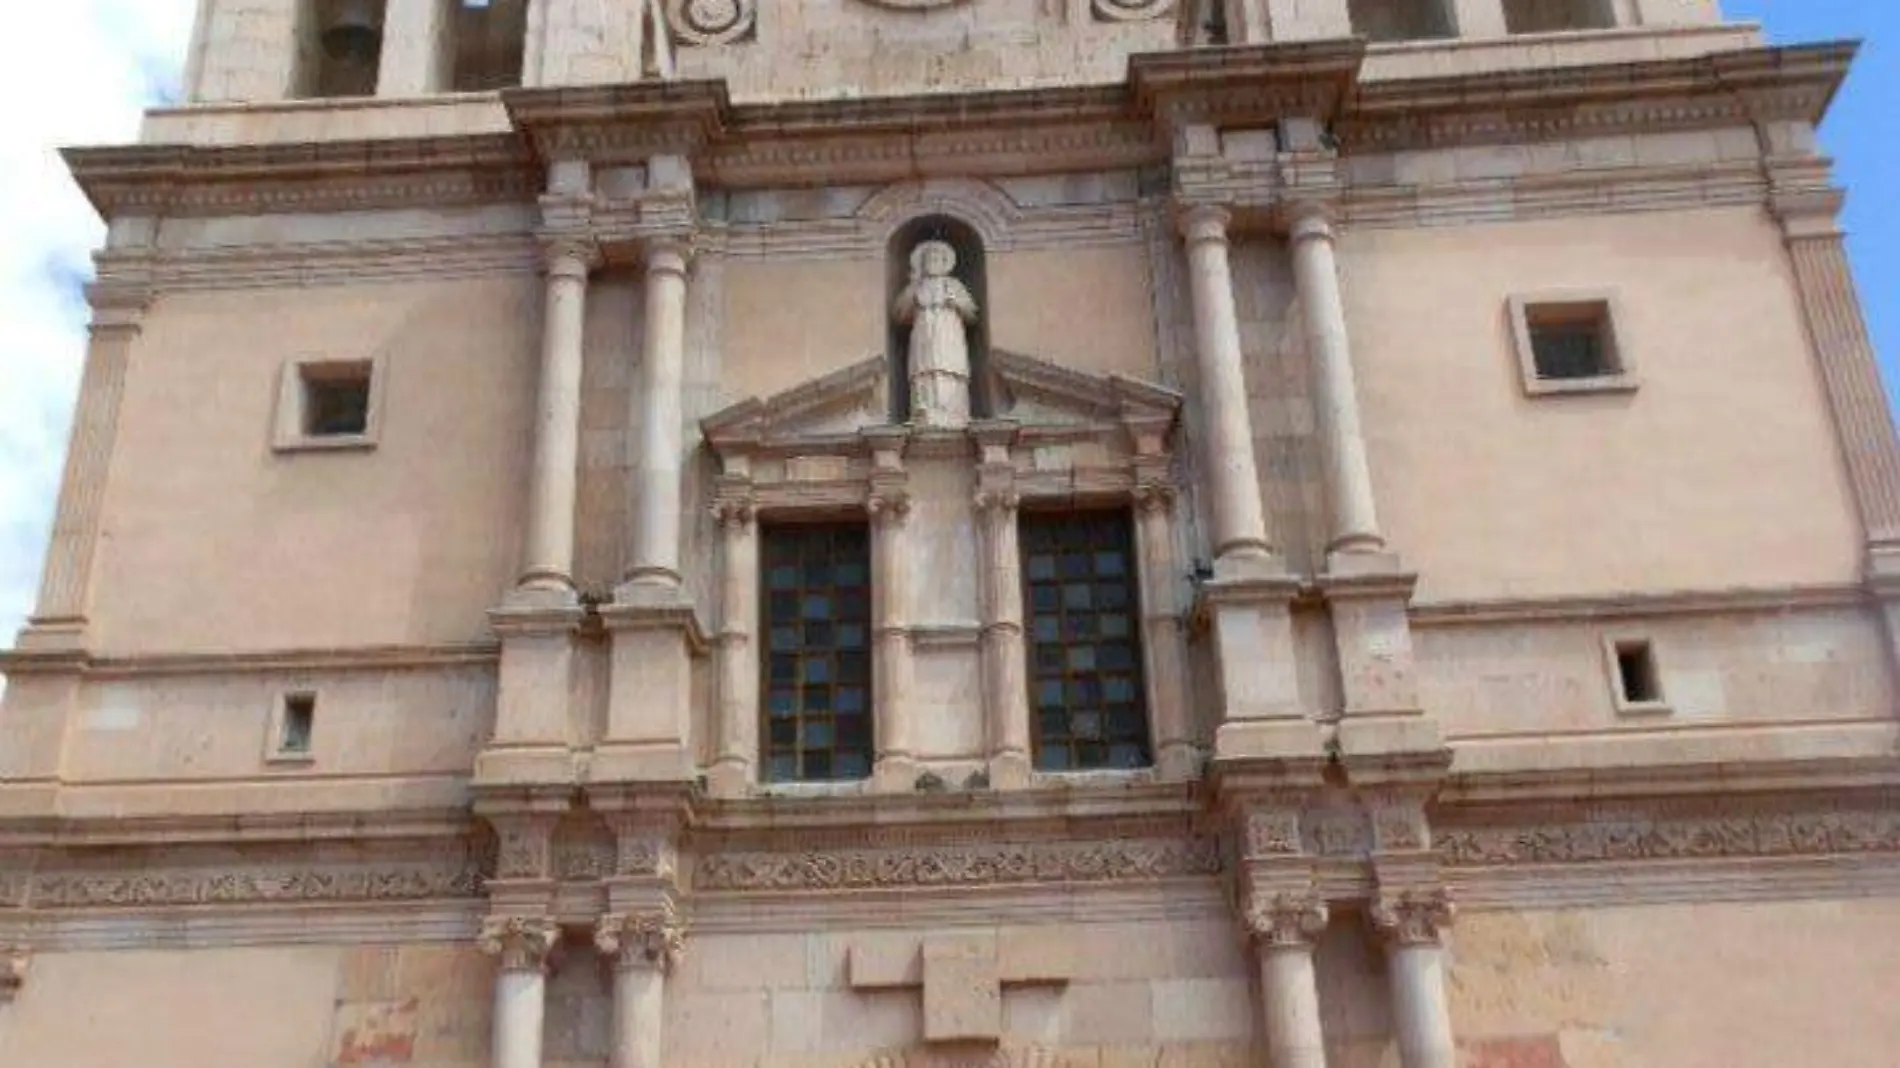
(1032, 393)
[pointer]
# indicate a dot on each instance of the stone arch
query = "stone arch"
(980, 205)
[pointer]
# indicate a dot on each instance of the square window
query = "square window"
(1557, 16)
(1635, 678)
(293, 729)
(1569, 343)
(328, 404)
(1400, 20)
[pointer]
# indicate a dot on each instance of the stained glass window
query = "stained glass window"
(816, 658)
(1086, 697)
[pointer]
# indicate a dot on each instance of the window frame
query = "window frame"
(779, 524)
(1523, 309)
(1121, 511)
(278, 734)
(1614, 646)
(290, 431)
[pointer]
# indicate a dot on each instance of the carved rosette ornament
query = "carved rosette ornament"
(1286, 920)
(1413, 918)
(521, 943)
(1131, 10)
(649, 940)
(702, 23)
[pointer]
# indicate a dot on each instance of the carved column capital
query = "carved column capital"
(14, 962)
(888, 506)
(1151, 497)
(734, 516)
(521, 943)
(652, 940)
(668, 253)
(569, 254)
(1310, 218)
(1285, 920)
(1203, 223)
(997, 499)
(1412, 917)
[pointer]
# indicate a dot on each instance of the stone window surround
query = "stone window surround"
(863, 479)
(1613, 645)
(274, 736)
(288, 434)
(1521, 306)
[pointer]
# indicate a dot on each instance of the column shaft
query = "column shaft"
(639, 1008)
(738, 667)
(519, 1007)
(1289, 994)
(1419, 1009)
(891, 587)
(656, 546)
(1336, 394)
(1005, 667)
(1164, 643)
(1239, 518)
(548, 548)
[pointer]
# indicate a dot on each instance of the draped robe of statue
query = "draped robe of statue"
(937, 307)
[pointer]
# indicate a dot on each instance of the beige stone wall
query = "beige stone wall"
(213, 542)
(419, 1005)
(1722, 470)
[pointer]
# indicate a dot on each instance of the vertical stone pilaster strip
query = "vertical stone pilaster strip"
(738, 669)
(1004, 655)
(1837, 330)
(1163, 636)
(888, 505)
(119, 301)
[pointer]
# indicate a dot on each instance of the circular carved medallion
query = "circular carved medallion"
(711, 22)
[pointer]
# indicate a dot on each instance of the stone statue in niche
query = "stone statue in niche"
(937, 307)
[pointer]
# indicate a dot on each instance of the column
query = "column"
(1005, 663)
(1412, 926)
(1283, 930)
(548, 548)
(656, 545)
(1163, 640)
(1336, 395)
(1239, 519)
(418, 48)
(888, 505)
(738, 669)
(643, 948)
(521, 946)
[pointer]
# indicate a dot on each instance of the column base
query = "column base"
(729, 779)
(894, 774)
(1011, 771)
(649, 691)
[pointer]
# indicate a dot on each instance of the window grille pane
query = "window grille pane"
(817, 671)
(1085, 686)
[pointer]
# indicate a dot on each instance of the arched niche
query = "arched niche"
(971, 270)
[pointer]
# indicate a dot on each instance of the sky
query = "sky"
(93, 65)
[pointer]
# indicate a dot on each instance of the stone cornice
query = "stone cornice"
(620, 124)
(1246, 86)
(363, 658)
(1560, 609)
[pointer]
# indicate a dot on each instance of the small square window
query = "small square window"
(328, 404)
(1569, 344)
(293, 729)
(1636, 681)
(1557, 16)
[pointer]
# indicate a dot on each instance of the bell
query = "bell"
(353, 34)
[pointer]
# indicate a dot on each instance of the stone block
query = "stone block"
(962, 1001)
(1198, 1010)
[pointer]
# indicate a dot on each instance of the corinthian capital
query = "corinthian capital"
(651, 940)
(1286, 919)
(1413, 918)
(521, 942)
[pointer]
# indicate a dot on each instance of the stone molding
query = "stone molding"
(653, 940)
(1636, 605)
(262, 884)
(263, 661)
(959, 865)
(519, 943)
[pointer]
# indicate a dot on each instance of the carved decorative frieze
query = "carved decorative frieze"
(583, 849)
(1678, 838)
(973, 864)
(521, 943)
(653, 940)
(1008, 1057)
(524, 847)
(254, 886)
(1286, 919)
(701, 23)
(1272, 832)
(1412, 917)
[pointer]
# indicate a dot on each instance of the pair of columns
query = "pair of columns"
(1412, 929)
(643, 949)
(548, 545)
(1239, 517)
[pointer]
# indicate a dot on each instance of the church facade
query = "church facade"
(925, 533)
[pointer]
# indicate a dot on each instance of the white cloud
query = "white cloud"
(81, 77)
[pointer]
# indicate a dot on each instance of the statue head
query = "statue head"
(932, 259)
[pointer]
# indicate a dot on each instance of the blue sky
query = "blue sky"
(95, 63)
